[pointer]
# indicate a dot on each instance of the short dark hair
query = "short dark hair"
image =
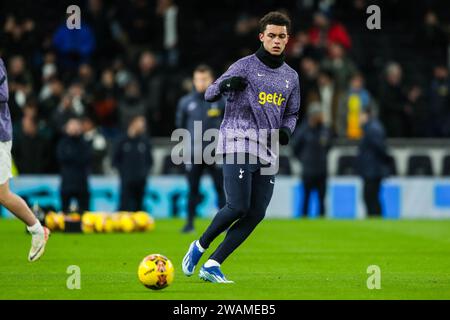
(204, 68)
(276, 18)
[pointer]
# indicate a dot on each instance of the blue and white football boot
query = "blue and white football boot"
(213, 274)
(191, 259)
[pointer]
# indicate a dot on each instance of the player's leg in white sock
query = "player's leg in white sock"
(261, 194)
(211, 263)
(17, 206)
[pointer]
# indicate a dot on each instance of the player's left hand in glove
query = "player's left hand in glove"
(233, 84)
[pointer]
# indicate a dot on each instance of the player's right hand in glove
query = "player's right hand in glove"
(233, 84)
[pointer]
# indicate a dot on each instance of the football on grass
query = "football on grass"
(156, 272)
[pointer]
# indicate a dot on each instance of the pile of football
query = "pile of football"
(100, 222)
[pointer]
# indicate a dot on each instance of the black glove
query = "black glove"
(233, 84)
(285, 135)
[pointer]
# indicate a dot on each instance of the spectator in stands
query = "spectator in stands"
(432, 40)
(325, 32)
(245, 29)
(45, 131)
(329, 97)
(372, 161)
(151, 86)
(122, 74)
(134, 25)
(351, 105)
(106, 100)
(80, 98)
(342, 66)
(97, 143)
(311, 145)
(98, 17)
(31, 151)
(132, 104)
(86, 78)
(415, 102)
(167, 10)
(20, 37)
(74, 157)
(50, 98)
(49, 71)
(73, 46)
(392, 99)
(63, 113)
(20, 86)
(132, 156)
(309, 70)
(440, 101)
(299, 46)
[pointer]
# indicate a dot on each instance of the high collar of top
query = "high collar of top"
(197, 94)
(270, 60)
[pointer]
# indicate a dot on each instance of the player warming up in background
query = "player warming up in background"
(262, 93)
(191, 108)
(9, 200)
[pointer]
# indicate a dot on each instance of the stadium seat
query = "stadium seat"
(346, 165)
(446, 166)
(285, 166)
(419, 165)
(170, 168)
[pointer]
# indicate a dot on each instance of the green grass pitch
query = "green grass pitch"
(295, 259)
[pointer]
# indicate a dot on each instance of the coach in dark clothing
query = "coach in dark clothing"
(74, 157)
(133, 159)
(193, 107)
(311, 147)
(372, 161)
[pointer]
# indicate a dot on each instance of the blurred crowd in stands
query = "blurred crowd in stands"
(135, 58)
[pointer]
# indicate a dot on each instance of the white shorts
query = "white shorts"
(5, 161)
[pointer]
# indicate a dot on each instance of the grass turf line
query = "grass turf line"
(282, 259)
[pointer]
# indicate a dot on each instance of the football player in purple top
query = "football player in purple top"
(9, 200)
(262, 96)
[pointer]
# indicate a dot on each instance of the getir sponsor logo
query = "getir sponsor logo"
(271, 98)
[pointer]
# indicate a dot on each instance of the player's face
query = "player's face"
(274, 39)
(202, 80)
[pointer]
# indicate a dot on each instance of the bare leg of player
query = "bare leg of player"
(19, 208)
(16, 205)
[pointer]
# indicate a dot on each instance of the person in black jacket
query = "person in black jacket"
(311, 146)
(393, 108)
(133, 159)
(372, 161)
(193, 107)
(74, 157)
(31, 153)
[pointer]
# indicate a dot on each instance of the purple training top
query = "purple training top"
(5, 117)
(270, 101)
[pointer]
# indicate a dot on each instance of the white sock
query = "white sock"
(211, 263)
(36, 228)
(199, 247)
